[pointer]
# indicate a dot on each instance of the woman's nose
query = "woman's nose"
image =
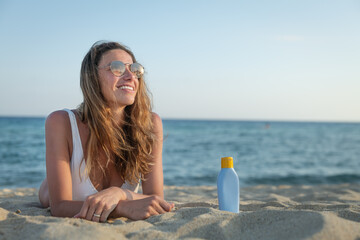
(128, 75)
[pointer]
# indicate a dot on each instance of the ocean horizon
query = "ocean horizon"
(217, 119)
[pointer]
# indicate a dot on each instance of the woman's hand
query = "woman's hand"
(143, 208)
(97, 207)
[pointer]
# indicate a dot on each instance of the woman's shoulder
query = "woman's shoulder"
(156, 122)
(58, 119)
(155, 117)
(58, 116)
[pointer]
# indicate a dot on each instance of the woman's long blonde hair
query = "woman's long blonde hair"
(127, 144)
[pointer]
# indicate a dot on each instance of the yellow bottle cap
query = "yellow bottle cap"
(227, 162)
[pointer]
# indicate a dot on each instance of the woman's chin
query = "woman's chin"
(121, 102)
(125, 103)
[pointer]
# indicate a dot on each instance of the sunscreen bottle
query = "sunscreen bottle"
(228, 186)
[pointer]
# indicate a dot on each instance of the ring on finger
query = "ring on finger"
(97, 215)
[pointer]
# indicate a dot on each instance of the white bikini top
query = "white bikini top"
(83, 187)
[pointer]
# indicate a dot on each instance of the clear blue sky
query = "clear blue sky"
(252, 60)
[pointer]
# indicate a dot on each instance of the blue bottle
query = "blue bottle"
(228, 186)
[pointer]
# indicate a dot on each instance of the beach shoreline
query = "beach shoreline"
(266, 212)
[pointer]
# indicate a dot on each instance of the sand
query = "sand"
(266, 212)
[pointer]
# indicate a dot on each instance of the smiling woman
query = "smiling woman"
(97, 154)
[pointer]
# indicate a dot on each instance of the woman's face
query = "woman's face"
(117, 91)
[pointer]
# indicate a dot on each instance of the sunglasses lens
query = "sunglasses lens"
(117, 68)
(137, 69)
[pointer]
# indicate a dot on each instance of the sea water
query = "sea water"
(265, 152)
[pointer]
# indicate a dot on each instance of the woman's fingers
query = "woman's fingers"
(83, 211)
(143, 208)
(88, 209)
(91, 211)
(97, 216)
(106, 212)
(159, 205)
(158, 208)
(166, 206)
(104, 216)
(154, 210)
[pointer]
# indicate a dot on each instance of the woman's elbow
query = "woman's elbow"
(56, 210)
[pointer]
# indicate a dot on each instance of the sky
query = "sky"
(239, 60)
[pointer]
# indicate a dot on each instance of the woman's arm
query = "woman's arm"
(58, 136)
(153, 183)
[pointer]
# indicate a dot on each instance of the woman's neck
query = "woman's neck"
(118, 114)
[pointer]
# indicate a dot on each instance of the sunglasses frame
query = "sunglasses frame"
(138, 75)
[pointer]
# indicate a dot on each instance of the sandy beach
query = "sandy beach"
(266, 212)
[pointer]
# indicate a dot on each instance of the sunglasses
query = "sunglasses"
(118, 68)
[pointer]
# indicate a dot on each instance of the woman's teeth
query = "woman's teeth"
(127, 87)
